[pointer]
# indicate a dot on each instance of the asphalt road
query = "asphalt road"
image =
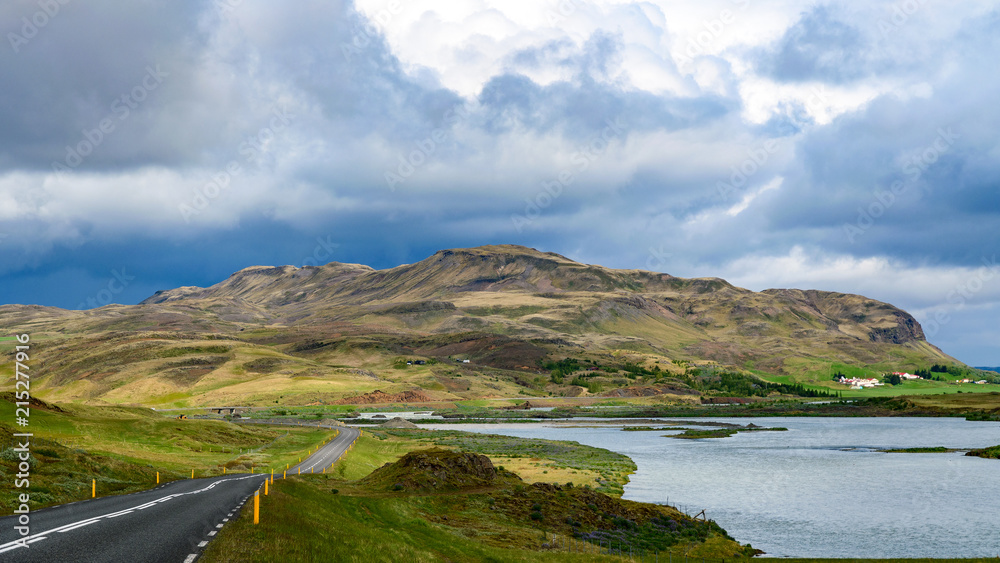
(170, 523)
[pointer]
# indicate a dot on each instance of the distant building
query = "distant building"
(859, 382)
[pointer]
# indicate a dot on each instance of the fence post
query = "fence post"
(256, 507)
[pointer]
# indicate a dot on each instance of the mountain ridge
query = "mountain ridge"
(503, 307)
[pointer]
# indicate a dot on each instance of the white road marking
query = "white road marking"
(79, 525)
(212, 533)
(218, 525)
(74, 525)
(191, 558)
(203, 543)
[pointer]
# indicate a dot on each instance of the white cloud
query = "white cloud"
(921, 288)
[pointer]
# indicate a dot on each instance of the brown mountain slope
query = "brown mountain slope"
(268, 334)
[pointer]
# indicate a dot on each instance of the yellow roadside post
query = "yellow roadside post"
(265, 487)
(284, 474)
(324, 471)
(311, 470)
(256, 507)
(192, 473)
(223, 469)
(272, 476)
(300, 471)
(93, 488)
(157, 477)
(251, 470)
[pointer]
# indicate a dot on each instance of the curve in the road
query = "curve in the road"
(172, 522)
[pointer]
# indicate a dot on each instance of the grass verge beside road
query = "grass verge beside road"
(123, 449)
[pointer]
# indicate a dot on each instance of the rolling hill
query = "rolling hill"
(310, 335)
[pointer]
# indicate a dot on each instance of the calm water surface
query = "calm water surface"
(820, 489)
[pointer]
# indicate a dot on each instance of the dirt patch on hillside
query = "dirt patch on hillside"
(497, 352)
(648, 391)
(398, 422)
(378, 396)
(435, 469)
(33, 402)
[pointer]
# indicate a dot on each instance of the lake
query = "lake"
(820, 489)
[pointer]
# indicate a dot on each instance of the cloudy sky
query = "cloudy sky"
(847, 146)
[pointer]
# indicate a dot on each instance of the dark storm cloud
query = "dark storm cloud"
(912, 177)
(74, 72)
(212, 74)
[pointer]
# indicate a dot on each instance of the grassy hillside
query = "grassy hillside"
(534, 460)
(123, 449)
(435, 505)
(472, 323)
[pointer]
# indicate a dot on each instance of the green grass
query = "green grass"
(932, 450)
(990, 453)
(610, 469)
(370, 452)
(818, 377)
(489, 518)
(124, 448)
(303, 521)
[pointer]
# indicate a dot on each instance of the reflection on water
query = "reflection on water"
(822, 489)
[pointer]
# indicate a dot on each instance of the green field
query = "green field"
(451, 515)
(820, 378)
(124, 448)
